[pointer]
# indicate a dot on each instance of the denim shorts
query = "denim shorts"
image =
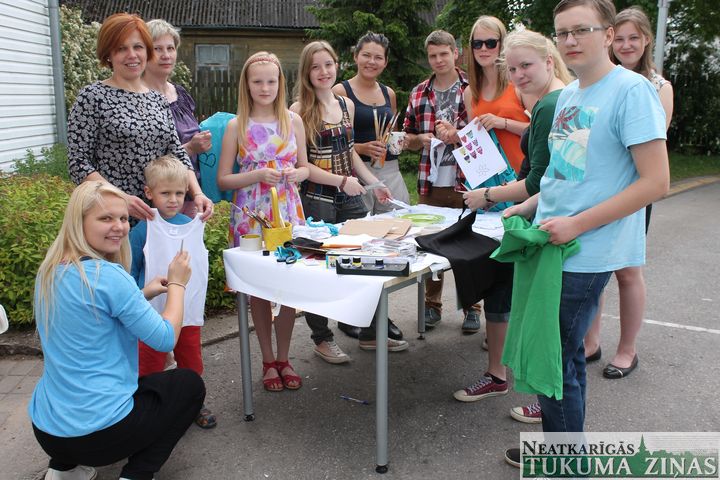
(498, 303)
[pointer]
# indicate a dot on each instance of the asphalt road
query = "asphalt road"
(313, 434)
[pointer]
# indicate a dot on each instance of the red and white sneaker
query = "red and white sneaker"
(529, 414)
(483, 388)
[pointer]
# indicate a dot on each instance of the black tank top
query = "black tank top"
(364, 122)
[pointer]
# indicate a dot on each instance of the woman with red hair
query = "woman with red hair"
(117, 126)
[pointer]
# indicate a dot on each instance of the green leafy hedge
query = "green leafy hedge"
(31, 212)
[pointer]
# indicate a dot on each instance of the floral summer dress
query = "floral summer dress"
(265, 149)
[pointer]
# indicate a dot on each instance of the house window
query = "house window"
(212, 57)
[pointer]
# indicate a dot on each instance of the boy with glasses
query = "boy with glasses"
(608, 160)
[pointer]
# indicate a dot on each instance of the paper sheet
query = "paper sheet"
(437, 148)
(478, 157)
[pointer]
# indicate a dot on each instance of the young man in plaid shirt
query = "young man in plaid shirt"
(440, 97)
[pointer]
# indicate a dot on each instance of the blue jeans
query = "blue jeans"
(578, 305)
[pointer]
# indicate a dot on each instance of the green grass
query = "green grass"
(689, 166)
(411, 182)
(681, 167)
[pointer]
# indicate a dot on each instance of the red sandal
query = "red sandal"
(274, 384)
(291, 381)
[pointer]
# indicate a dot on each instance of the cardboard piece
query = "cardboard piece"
(392, 228)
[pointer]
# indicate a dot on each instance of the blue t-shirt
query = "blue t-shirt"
(138, 236)
(590, 161)
(91, 349)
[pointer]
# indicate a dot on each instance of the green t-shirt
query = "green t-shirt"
(532, 344)
(538, 149)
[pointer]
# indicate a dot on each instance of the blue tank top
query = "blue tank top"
(364, 122)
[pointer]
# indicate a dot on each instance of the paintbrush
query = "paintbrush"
(377, 126)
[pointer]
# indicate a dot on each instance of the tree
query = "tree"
(458, 16)
(343, 22)
(80, 65)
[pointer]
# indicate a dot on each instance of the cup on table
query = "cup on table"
(395, 142)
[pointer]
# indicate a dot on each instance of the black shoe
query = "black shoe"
(349, 330)
(512, 457)
(394, 331)
(595, 356)
(613, 372)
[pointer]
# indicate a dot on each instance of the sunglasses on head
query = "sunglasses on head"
(490, 43)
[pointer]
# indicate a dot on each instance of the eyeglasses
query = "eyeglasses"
(577, 33)
(490, 43)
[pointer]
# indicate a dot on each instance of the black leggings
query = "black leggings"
(165, 404)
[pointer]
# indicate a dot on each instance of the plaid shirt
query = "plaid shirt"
(420, 118)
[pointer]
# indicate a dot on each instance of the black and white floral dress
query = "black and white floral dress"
(117, 133)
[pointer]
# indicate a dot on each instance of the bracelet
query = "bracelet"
(342, 184)
(486, 196)
(506, 124)
(176, 283)
(198, 195)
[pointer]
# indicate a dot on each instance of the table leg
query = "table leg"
(381, 395)
(242, 305)
(421, 307)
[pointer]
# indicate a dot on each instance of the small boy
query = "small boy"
(153, 243)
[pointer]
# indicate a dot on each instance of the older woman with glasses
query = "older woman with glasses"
(166, 40)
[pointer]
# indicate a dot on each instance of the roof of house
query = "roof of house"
(285, 14)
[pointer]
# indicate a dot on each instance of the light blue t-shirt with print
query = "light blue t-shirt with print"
(590, 161)
(91, 349)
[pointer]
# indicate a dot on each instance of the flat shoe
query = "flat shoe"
(349, 330)
(595, 356)
(394, 331)
(613, 372)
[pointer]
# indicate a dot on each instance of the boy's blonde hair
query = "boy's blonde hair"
(310, 108)
(166, 169)
(70, 246)
(245, 101)
(543, 46)
(475, 71)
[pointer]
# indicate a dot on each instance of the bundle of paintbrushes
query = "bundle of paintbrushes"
(382, 133)
(258, 216)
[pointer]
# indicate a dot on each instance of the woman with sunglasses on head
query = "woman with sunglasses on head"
(166, 40)
(491, 98)
(632, 48)
(497, 106)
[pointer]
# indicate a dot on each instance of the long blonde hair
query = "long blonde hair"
(70, 246)
(543, 46)
(310, 108)
(475, 71)
(245, 101)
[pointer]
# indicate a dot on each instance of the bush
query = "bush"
(216, 240)
(409, 161)
(31, 212)
(52, 161)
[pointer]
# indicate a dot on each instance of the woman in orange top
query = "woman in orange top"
(490, 97)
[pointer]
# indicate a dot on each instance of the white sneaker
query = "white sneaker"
(392, 345)
(81, 472)
(333, 354)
